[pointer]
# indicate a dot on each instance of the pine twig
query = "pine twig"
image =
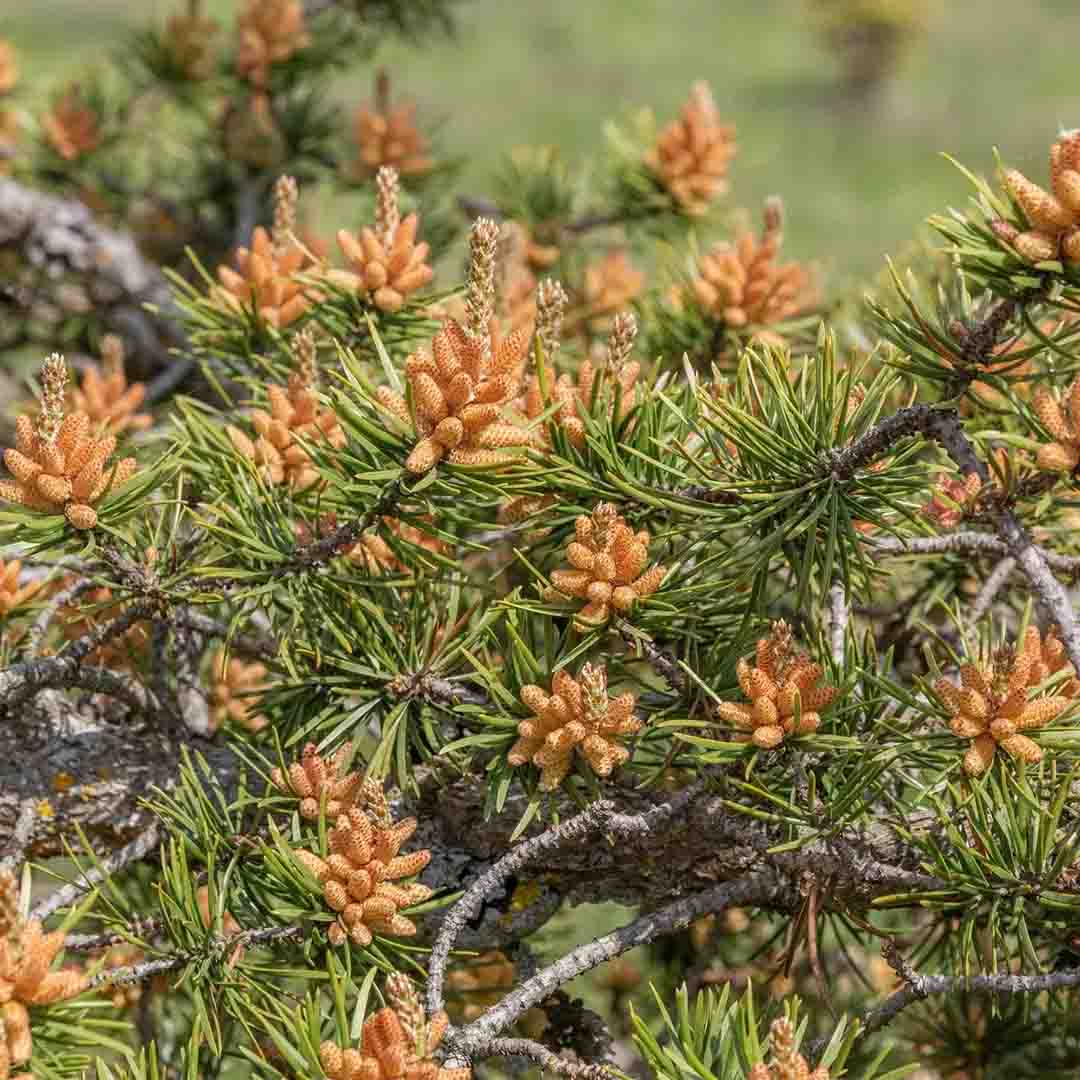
(840, 614)
(991, 587)
(973, 542)
(148, 968)
(540, 1055)
(138, 849)
(943, 426)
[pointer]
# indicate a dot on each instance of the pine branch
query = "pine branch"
(148, 968)
(840, 613)
(764, 889)
(62, 241)
(999, 576)
(601, 816)
(540, 1055)
(944, 427)
(978, 543)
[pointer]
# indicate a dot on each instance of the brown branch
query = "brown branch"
(56, 242)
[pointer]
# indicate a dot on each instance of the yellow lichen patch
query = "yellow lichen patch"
(359, 874)
(607, 567)
(692, 154)
(994, 705)
(63, 781)
(784, 698)
(459, 390)
(577, 717)
(57, 465)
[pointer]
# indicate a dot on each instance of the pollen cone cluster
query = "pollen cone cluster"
(9, 67)
(953, 498)
(578, 716)
(314, 778)
(26, 955)
(385, 262)
(374, 553)
(607, 567)
(397, 1043)
(265, 278)
(295, 417)
(266, 274)
(1054, 215)
(388, 135)
(268, 32)
(189, 38)
(57, 465)
(483, 981)
(787, 1063)
(233, 692)
(459, 391)
(743, 284)
(107, 398)
(1063, 454)
(72, 127)
(12, 594)
(359, 874)
(782, 687)
(692, 154)
(611, 284)
(575, 397)
(992, 706)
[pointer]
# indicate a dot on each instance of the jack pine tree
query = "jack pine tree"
(372, 608)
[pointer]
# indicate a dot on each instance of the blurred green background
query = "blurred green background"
(857, 177)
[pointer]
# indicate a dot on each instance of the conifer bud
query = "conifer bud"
(480, 283)
(286, 196)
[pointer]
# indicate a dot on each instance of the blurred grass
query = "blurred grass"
(857, 180)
